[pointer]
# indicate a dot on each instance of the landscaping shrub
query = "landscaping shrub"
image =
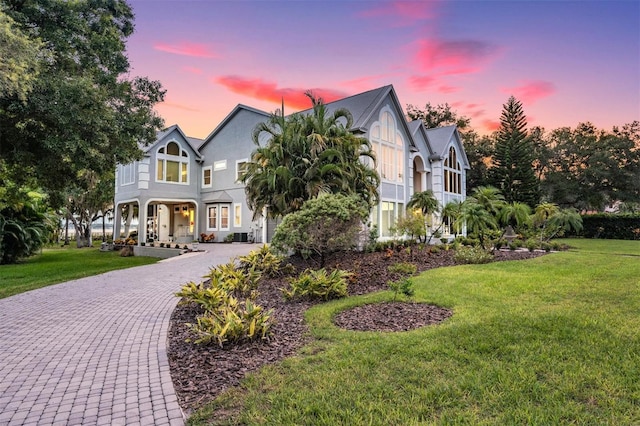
(323, 225)
(265, 261)
(318, 284)
(610, 226)
(402, 286)
(236, 281)
(403, 268)
(225, 319)
(472, 255)
(208, 298)
(232, 322)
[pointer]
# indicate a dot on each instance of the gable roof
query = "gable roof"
(363, 105)
(228, 118)
(417, 126)
(161, 135)
(439, 139)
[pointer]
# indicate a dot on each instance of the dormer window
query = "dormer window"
(172, 164)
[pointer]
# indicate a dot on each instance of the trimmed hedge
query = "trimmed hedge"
(611, 226)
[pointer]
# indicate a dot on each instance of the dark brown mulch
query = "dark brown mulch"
(392, 316)
(200, 373)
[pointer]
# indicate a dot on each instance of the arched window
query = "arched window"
(452, 173)
(172, 164)
(388, 145)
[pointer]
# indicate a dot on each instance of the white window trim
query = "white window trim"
(238, 162)
(180, 159)
(228, 207)
(398, 160)
(237, 224)
(123, 173)
(210, 177)
(213, 206)
(220, 165)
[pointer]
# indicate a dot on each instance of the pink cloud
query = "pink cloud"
(444, 88)
(421, 82)
(268, 91)
(403, 12)
(192, 70)
(186, 48)
(531, 91)
(491, 125)
(449, 57)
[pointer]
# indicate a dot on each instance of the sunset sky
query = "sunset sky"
(567, 61)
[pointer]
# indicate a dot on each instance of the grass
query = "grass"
(56, 265)
(552, 340)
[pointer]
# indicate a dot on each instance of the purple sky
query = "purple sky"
(567, 61)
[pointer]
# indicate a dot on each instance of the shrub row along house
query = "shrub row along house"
(185, 187)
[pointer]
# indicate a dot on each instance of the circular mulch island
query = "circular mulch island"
(391, 316)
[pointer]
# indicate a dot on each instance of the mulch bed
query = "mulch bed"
(200, 373)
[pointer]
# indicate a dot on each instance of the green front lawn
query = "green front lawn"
(552, 340)
(56, 265)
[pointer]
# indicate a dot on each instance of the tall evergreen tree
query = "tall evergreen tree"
(513, 171)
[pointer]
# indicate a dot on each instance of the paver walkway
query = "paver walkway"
(93, 350)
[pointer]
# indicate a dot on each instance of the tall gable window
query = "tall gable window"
(452, 173)
(388, 145)
(172, 164)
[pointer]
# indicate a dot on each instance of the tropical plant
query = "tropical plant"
(451, 213)
(263, 260)
(515, 214)
(318, 284)
(306, 155)
(477, 219)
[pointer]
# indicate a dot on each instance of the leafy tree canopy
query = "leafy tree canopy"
(83, 112)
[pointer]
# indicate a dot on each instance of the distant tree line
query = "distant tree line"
(584, 168)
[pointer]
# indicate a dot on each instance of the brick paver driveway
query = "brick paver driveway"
(93, 351)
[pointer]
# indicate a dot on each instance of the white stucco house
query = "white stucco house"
(184, 187)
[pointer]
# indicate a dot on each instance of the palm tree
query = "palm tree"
(489, 197)
(477, 219)
(452, 212)
(564, 220)
(427, 203)
(305, 156)
(515, 214)
(541, 216)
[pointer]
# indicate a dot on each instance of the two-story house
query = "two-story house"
(184, 187)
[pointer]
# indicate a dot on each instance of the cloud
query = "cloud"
(403, 13)
(186, 48)
(531, 91)
(421, 82)
(450, 57)
(445, 89)
(268, 91)
(491, 125)
(192, 70)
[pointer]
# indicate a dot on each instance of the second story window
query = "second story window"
(206, 177)
(172, 164)
(127, 174)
